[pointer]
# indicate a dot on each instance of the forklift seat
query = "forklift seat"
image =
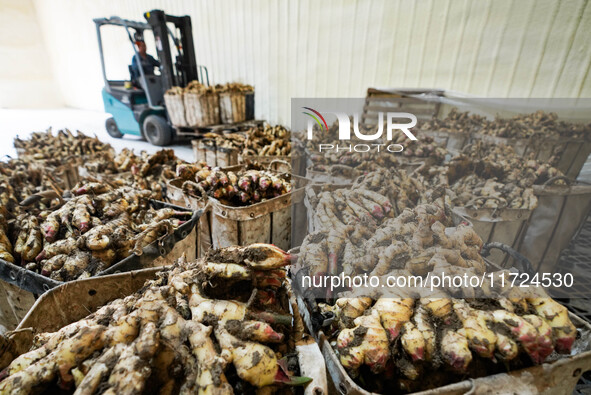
(153, 82)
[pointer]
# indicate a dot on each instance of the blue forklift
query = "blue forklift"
(137, 106)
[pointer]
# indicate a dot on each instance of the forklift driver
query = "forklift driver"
(147, 61)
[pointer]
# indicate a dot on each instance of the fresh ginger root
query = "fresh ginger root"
(314, 253)
(50, 341)
(398, 251)
(229, 271)
(144, 341)
(522, 331)
(366, 343)
(351, 308)
(254, 362)
(506, 347)
(125, 330)
(455, 350)
(481, 339)
(413, 342)
(99, 370)
(469, 244)
(439, 236)
(210, 377)
(335, 243)
(556, 315)
(133, 369)
(67, 354)
(254, 331)
(23, 382)
(423, 236)
(424, 326)
(514, 295)
(437, 302)
(73, 351)
(257, 256)
(394, 312)
(544, 340)
(465, 236)
(223, 310)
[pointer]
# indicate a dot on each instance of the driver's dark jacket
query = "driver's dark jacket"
(148, 63)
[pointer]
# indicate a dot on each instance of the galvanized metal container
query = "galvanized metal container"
(14, 305)
(203, 229)
(557, 377)
(571, 153)
(453, 142)
(19, 286)
(83, 297)
(503, 225)
(561, 211)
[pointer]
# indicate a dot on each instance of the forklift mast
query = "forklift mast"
(184, 70)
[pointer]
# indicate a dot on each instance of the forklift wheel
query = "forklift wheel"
(112, 128)
(157, 131)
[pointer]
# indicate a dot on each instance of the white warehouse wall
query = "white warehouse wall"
(289, 48)
(26, 78)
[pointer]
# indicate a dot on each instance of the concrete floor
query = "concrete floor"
(23, 122)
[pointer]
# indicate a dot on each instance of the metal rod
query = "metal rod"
(139, 63)
(100, 44)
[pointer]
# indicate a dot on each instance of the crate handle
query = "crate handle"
(10, 333)
(279, 161)
(552, 180)
(524, 265)
(472, 389)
